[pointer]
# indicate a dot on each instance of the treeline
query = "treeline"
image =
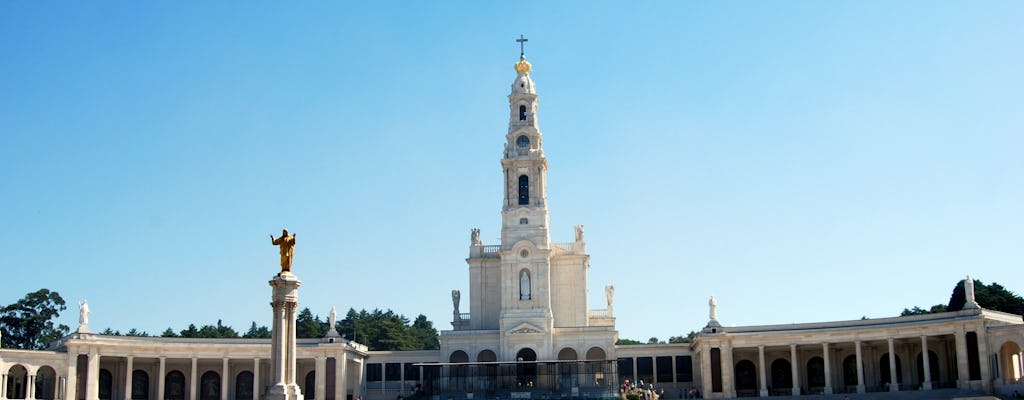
(990, 297)
(29, 324)
(378, 330)
(654, 340)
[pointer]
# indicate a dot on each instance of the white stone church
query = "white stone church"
(529, 333)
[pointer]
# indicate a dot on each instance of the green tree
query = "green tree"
(28, 324)
(220, 331)
(386, 330)
(257, 332)
(190, 332)
(424, 334)
(992, 297)
(136, 332)
(626, 342)
(169, 333)
(309, 326)
(683, 339)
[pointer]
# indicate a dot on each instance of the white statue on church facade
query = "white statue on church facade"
(524, 286)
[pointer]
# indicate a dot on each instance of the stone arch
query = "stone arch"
(46, 383)
(596, 353)
(567, 353)
(140, 385)
(243, 385)
(1010, 362)
(884, 369)
(174, 386)
(522, 112)
(106, 384)
(486, 356)
(933, 366)
(782, 374)
(209, 386)
(816, 372)
(458, 356)
(310, 382)
(746, 375)
(17, 379)
(526, 373)
(850, 370)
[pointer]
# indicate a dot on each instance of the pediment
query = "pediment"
(523, 328)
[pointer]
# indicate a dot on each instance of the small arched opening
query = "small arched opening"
(174, 386)
(596, 353)
(782, 374)
(816, 372)
(140, 385)
(746, 376)
(106, 384)
(209, 386)
(243, 386)
(522, 113)
(309, 391)
(17, 379)
(1010, 357)
(46, 379)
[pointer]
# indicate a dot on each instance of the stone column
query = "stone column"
(963, 377)
(71, 390)
(30, 385)
(828, 368)
(339, 377)
(985, 358)
(705, 370)
(129, 361)
(927, 385)
(3, 383)
(794, 370)
(762, 374)
(284, 300)
(256, 392)
(728, 387)
(320, 392)
(161, 377)
(193, 383)
(894, 385)
(225, 380)
(860, 368)
(361, 368)
(92, 388)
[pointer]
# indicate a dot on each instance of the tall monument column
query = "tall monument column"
(284, 300)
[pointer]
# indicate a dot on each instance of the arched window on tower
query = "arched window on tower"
(522, 113)
(524, 190)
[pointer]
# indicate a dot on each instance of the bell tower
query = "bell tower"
(526, 318)
(525, 210)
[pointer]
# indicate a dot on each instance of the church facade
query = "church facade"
(530, 333)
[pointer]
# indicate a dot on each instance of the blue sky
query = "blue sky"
(802, 161)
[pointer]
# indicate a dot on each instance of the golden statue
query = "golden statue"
(287, 244)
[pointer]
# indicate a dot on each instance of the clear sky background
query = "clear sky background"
(802, 161)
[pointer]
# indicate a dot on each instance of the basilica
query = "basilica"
(525, 330)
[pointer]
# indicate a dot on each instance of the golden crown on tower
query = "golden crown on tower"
(523, 66)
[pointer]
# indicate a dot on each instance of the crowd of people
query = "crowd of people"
(642, 391)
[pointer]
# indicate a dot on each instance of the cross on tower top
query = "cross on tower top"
(522, 40)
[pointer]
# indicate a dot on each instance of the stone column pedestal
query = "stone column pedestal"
(284, 300)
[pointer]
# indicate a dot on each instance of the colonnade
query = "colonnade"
(69, 386)
(963, 361)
